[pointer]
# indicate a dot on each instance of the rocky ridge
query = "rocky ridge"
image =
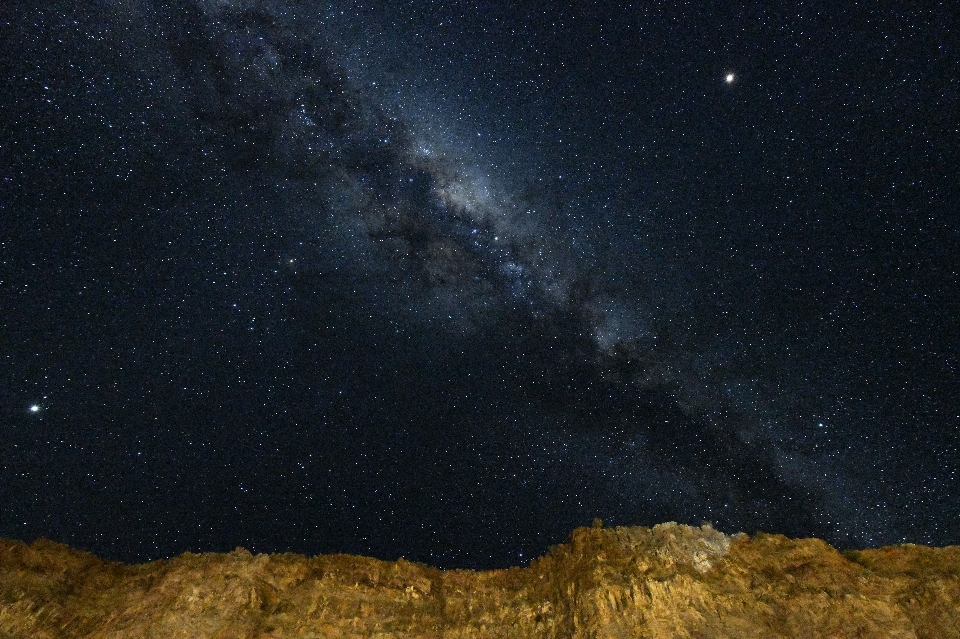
(666, 581)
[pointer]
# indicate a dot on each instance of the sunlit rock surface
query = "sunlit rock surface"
(668, 581)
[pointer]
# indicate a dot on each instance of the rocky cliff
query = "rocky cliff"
(668, 581)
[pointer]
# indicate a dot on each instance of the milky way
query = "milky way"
(437, 241)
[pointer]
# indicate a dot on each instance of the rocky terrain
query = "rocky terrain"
(668, 581)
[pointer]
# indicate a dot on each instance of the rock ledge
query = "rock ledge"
(665, 581)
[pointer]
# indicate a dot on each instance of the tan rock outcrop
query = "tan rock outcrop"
(668, 581)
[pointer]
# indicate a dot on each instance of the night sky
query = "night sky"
(445, 280)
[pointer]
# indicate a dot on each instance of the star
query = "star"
(35, 408)
(729, 78)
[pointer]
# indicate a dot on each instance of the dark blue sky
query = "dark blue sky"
(446, 281)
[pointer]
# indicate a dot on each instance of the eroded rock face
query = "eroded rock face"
(668, 581)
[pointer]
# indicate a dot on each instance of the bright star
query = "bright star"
(35, 408)
(730, 78)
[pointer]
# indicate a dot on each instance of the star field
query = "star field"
(444, 281)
